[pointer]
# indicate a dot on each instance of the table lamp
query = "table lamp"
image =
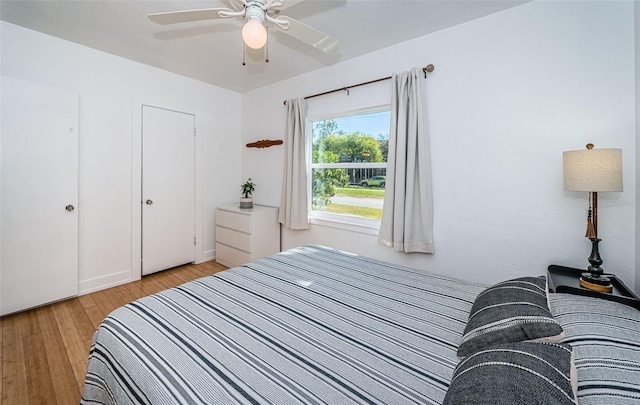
(593, 170)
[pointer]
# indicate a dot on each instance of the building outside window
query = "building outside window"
(348, 167)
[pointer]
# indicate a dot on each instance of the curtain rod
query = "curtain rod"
(428, 68)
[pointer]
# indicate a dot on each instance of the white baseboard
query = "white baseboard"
(104, 282)
(208, 255)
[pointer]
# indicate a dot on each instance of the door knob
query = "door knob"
(69, 208)
(149, 202)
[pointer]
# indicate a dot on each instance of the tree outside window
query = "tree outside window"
(348, 164)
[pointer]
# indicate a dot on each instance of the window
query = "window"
(348, 168)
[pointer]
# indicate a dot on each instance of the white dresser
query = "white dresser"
(244, 235)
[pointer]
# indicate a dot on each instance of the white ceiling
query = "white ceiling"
(212, 51)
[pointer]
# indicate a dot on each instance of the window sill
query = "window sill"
(360, 225)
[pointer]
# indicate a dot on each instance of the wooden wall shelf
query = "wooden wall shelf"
(265, 143)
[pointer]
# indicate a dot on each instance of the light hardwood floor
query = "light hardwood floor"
(44, 351)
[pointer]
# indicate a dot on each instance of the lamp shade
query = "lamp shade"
(593, 170)
(254, 34)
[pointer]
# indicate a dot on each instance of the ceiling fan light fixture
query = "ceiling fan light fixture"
(257, 16)
(254, 34)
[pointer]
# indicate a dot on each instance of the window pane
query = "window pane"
(357, 146)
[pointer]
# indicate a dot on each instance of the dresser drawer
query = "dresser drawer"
(244, 235)
(230, 256)
(233, 220)
(230, 237)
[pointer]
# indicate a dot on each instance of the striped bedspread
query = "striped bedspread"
(309, 325)
(605, 337)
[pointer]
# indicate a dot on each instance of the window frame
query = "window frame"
(347, 222)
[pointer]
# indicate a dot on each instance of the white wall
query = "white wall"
(509, 94)
(110, 90)
(637, 204)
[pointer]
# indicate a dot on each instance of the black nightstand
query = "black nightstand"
(566, 280)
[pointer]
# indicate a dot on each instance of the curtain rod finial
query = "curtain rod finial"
(429, 68)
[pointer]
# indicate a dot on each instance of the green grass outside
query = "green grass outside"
(374, 213)
(361, 192)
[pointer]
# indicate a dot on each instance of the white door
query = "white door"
(168, 189)
(39, 203)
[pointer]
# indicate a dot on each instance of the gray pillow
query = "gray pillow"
(514, 373)
(605, 336)
(511, 311)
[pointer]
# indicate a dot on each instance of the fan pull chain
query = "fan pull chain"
(266, 46)
(244, 54)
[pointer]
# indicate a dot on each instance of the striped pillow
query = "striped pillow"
(511, 311)
(514, 373)
(605, 337)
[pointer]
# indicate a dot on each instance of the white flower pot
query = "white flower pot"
(246, 202)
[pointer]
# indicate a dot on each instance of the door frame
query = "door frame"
(136, 180)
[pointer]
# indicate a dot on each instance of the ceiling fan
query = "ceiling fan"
(257, 14)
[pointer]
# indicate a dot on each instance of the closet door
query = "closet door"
(168, 189)
(39, 195)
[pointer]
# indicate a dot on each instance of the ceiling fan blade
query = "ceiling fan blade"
(174, 17)
(237, 5)
(288, 3)
(309, 35)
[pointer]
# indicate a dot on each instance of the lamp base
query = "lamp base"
(594, 279)
(596, 282)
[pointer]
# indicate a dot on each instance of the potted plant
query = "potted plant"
(247, 190)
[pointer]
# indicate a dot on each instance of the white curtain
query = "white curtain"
(294, 206)
(407, 216)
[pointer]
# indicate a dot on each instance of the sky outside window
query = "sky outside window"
(372, 124)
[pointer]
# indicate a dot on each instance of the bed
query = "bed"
(316, 325)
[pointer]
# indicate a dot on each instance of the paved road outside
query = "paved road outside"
(358, 201)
